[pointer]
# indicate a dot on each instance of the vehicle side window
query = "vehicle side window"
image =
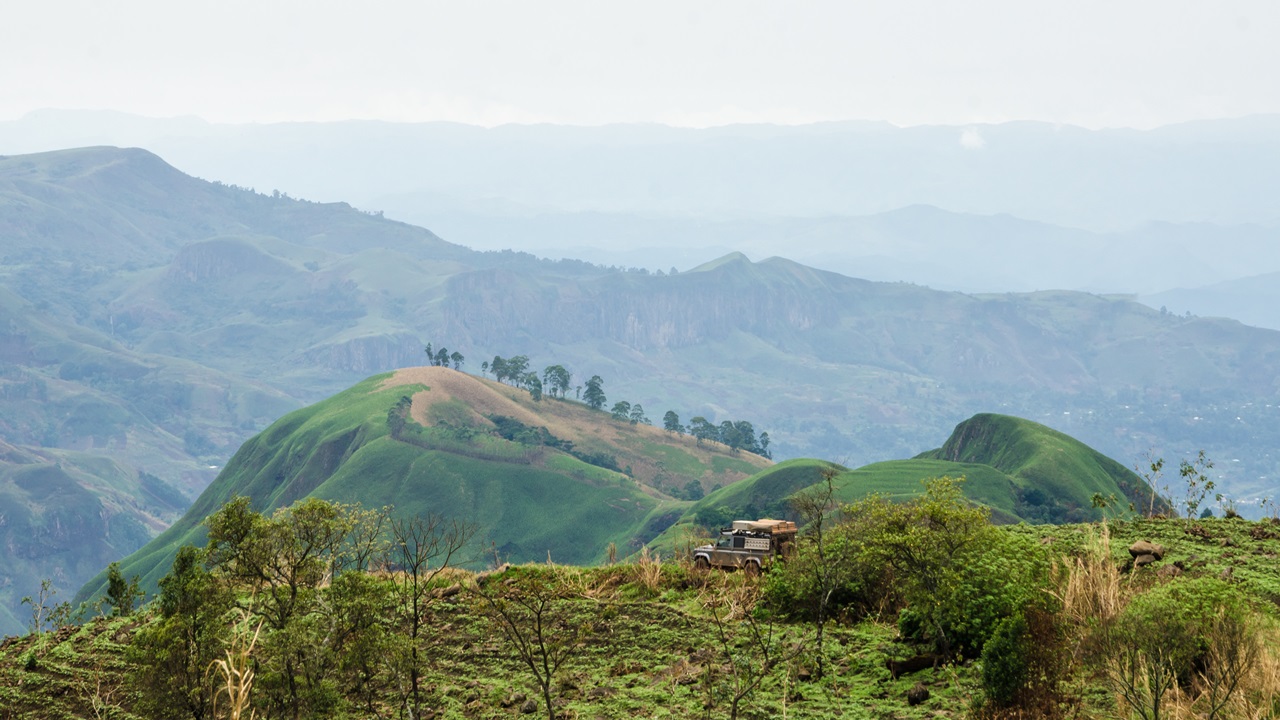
(739, 541)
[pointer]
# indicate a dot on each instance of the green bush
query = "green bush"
(958, 575)
(1004, 660)
(1024, 661)
(1169, 634)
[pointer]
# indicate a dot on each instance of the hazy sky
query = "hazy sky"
(1095, 63)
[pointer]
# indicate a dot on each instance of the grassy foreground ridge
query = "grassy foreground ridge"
(659, 639)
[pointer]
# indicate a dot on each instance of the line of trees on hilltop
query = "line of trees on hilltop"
(444, 358)
(556, 380)
(737, 434)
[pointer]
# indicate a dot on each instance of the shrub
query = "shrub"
(958, 575)
(1024, 662)
(1189, 632)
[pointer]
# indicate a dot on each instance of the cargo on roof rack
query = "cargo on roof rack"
(749, 545)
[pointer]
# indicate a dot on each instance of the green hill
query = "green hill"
(1021, 470)
(1055, 476)
(539, 478)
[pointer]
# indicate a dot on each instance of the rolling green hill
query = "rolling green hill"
(1021, 470)
(433, 439)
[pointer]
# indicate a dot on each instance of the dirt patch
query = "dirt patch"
(587, 429)
(482, 396)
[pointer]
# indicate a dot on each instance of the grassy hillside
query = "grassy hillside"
(1019, 469)
(1055, 476)
(530, 497)
(651, 640)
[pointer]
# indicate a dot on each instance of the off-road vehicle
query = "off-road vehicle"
(749, 545)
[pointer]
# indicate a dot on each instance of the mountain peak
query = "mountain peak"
(733, 258)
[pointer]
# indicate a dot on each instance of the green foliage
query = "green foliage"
(122, 594)
(1168, 632)
(45, 613)
(621, 411)
(171, 656)
(593, 395)
(637, 416)
(958, 576)
(1025, 661)
(557, 379)
(1198, 484)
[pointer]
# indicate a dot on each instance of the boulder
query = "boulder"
(1144, 560)
(917, 694)
(529, 707)
(1169, 571)
(1146, 547)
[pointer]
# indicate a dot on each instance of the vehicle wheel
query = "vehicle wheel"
(701, 563)
(752, 569)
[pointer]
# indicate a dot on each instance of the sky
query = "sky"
(1112, 63)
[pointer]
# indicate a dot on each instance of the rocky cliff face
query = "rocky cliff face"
(369, 355)
(641, 311)
(222, 258)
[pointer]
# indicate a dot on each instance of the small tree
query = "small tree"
(671, 423)
(534, 613)
(637, 415)
(1151, 470)
(421, 548)
(621, 411)
(122, 594)
(959, 576)
(750, 647)
(1168, 632)
(817, 559)
(703, 430)
(593, 393)
(172, 656)
(556, 379)
(1199, 486)
(517, 370)
(44, 612)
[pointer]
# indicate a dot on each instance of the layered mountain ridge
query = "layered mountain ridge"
(154, 322)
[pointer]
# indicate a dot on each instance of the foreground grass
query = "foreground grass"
(650, 649)
(651, 645)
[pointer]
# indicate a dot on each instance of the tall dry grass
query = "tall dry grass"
(1089, 584)
(733, 595)
(236, 672)
(648, 570)
(1259, 695)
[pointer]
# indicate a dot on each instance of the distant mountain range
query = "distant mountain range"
(153, 322)
(1011, 207)
(1253, 300)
